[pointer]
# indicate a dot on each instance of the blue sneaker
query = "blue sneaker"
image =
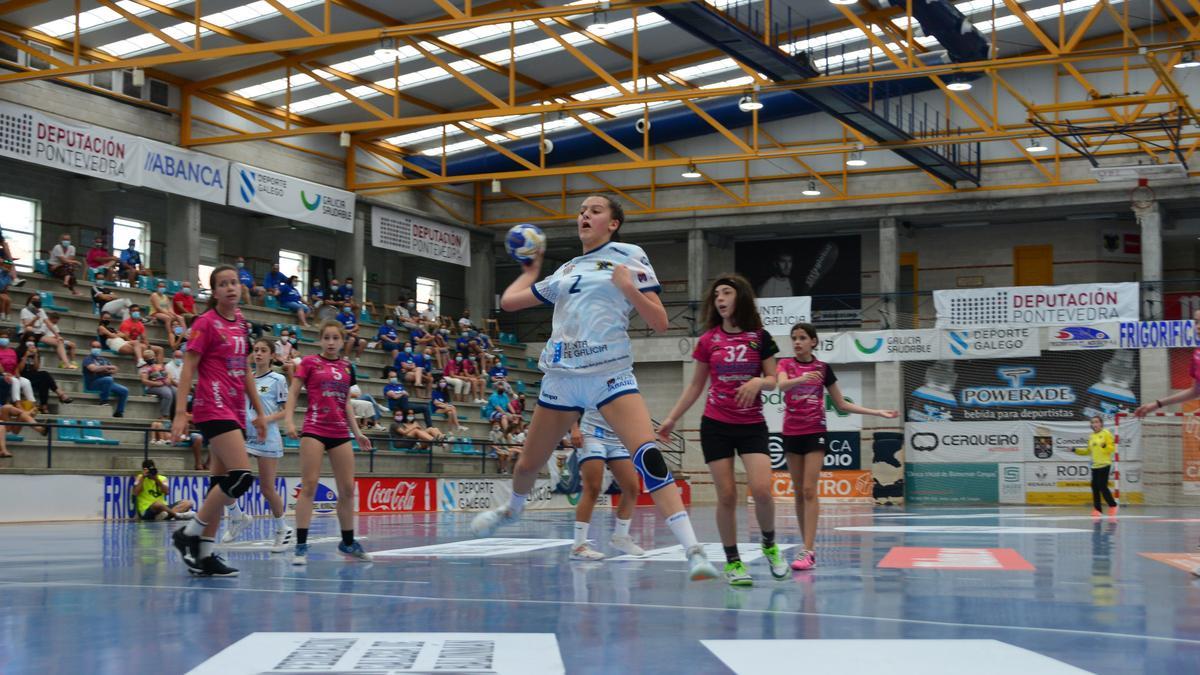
(300, 555)
(355, 551)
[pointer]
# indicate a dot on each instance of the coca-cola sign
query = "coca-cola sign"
(395, 495)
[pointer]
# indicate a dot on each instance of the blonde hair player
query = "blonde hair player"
(1182, 395)
(588, 364)
(803, 380)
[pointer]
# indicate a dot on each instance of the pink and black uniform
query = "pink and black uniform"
(733, 359)
(804, 419)
(328, 383)
(219, 405)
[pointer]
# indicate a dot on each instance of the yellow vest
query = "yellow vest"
(1101, 447)
(152, 491)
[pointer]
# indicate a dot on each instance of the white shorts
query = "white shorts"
(115, 344)
(606, 449)
(272, 447)
(580, 392)
(264, 451)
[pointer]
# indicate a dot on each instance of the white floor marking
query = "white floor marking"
(357, 581)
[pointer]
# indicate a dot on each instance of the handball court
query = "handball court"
(920, 590)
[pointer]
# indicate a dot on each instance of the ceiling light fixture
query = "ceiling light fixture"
(856, 159)
(1036, 146)
(344, 139)
(139, 77)
(812, 190)
(843, 2)
(750, 103)
(1189, 61)
(690, 172)
(387, 49)
(495, 186)
(599, 22)
(958, 83)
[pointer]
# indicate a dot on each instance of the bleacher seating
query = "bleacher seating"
(83, 446)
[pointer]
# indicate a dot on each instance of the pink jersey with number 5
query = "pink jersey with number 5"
(328, 383)
(221, 375)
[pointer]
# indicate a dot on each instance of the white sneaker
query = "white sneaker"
(486, 523)
(584, 551)
(236, 527)
(300, 555)
(283, 537)
(625, 544)
(698, 566)
(186, 515)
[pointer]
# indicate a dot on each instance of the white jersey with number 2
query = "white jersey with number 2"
(590, 334)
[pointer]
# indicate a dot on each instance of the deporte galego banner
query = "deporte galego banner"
(289, 197)
(1037, 305)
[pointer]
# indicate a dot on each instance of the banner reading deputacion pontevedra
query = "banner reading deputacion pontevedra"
(1037, 305)
(414, 235)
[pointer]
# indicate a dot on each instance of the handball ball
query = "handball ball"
(525, 241)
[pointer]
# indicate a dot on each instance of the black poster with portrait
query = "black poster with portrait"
(822, 267)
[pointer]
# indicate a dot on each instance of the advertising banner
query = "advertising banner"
(830, 267)
(289, 197)
(1037, 305)
(418, 236)
(882, 345)
(395, 495)
(1060, 483)
(780, 314)
(1012, 483)
(844, 486)
(1072, 338)
(952, 483)
(1157, 335)
(965, 442)
(179, 171)
(993, 342)
(1065, 386)
(33, 136)
(480, 494)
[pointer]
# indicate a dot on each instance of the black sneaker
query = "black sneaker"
(213, 566)
(188, 547)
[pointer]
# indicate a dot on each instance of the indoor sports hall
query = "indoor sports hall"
(524, 336)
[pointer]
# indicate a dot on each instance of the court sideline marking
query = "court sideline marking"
(924, 622)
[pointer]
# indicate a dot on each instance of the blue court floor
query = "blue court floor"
(1013, 589)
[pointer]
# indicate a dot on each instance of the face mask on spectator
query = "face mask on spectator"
(179, 330)
(408, 350)
(3, 342)
(458, 358)
(135, 315)
(30, 345)
(393, 380)
(37, 302)
(240, 264)
(411, 305)
(66, 242)
(187, 290)
(391, 323)
(178, 360)
(162, 289)
(95, 350)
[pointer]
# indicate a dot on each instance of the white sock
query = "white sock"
(681, 527)
(194, 528)
(517, 503)
(206, 547)
(280, 524)
(623, 527)
(235, 510)
(581, 532)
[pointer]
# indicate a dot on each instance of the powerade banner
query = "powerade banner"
(1037, 305)
(289, 197)
(1066, 386)
(418, 236)
(829, 268)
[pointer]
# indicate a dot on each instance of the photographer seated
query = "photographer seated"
(150, 489)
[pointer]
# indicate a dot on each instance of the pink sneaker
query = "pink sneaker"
(806, 560)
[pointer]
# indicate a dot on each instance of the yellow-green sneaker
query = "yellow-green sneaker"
(779, 568)
(736, 574)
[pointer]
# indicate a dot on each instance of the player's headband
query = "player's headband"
(725, 281)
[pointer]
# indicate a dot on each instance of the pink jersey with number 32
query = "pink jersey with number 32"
(221, 375)
(328, 384)
(733, 359)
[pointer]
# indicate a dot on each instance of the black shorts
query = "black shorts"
(213, 428)
(804, 443)
(327, 441)
(721, 440)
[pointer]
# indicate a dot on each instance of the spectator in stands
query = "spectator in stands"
(289, 299)
(20, 387)
(452, 373)
(101, 261)
(249, 289)
(430, 317)
(439, 399)
(158, 383)
(388, 338)
(441, 350)
(130, 263)
(286, 352)
(6, 280)
(274, 280)
(335, 292)
(160, 309)
(175, 366)
(183, 304)
(42, 382)
(476, 351)
(464, 324)
(99, 375)
(116, 306)
(405, 317)
(364, 410)
(496, 407)
(36, 324)
(354, 344)
(406, 365)
(316, 295)
(346, 292)
(10, 414)
(7, 262)
(63, 263)
(110, 336)
(407, 427)
(497, 374)
(394, 392)
(150, 489)
(470, 371)
(423, 362)
(517, 405)
(134, 330)
(499, 447)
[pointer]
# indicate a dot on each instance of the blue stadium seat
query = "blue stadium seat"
(94, 435)
(271, 302)
(13, 438)
(69, 432)
(292, 443)
(41, 267)
(48, 302)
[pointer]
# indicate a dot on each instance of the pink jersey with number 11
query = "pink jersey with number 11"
(221, 375)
